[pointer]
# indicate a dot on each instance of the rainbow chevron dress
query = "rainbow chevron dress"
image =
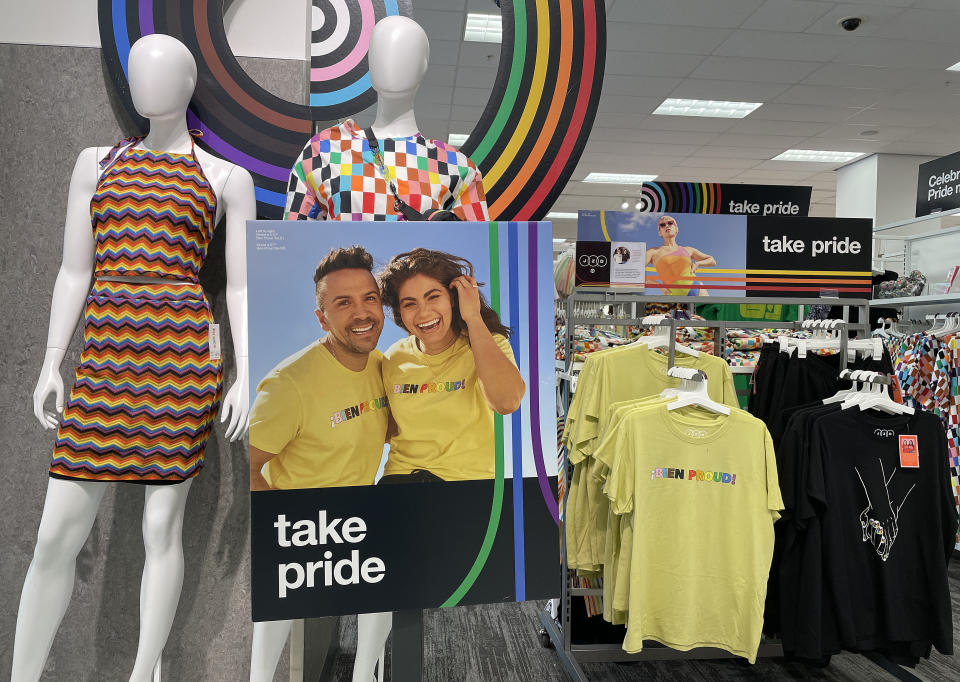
(147, 390)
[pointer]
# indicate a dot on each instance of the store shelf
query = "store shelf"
(906, 228)
(932, 299)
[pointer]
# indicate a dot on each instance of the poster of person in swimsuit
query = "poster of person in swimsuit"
(676, 265)
(678, 254)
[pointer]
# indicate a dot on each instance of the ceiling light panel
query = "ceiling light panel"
(705, 107)
(483, 28)
(560, 215)
(955, 67)
(619, 178)
(457, 139)
(817, 156)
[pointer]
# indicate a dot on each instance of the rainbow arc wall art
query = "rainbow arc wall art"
(528, 140)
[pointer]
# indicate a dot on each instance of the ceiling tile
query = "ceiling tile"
(477, 54)
(645, 37)
(471, 77)
(727, 163)
(444, 51)
(624, 63)
(440, 74)
(460, 113)
(737, 91)
(647, 86)
(882, 116)
(830, 96)
(780, 45)
(932, 25)
(755, 127)
(779, 142)
(754, 70)
(653, 136)
(686, 123)
(896, 52)
(786, 15)
(851, 131)
(803, 112)
(472, 97)
(714, 151)
(618, 104)
(849, 76)
(716, 13)
(443, 22)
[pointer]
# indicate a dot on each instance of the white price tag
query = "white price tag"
(213, 341)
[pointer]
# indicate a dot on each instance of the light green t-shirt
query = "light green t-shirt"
(703, 494)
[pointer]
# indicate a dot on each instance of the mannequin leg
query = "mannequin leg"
(372, 631)
(163, 507)
(269, 638)
(68, 514)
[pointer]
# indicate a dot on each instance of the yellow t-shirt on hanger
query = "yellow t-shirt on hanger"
(703, 493)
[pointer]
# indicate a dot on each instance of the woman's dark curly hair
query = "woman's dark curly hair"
(442, 267)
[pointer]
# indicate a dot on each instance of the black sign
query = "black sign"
(593, 264)
(336, 551)
(717, 198)
(938, 185)
(809, 257)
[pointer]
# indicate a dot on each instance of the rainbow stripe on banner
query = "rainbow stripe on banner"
(518, 270)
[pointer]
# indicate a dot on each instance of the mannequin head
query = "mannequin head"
(398, 56)
(162, 75)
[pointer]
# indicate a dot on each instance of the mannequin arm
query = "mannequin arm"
(72, 285)
(240, 205)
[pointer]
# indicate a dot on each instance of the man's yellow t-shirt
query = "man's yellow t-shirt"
(444, 424)
(703, 493)
(325, 423)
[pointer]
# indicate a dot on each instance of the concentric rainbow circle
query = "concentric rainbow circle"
(528, 140)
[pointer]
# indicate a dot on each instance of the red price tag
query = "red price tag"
(909, 454)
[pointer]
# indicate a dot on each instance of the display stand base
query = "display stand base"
(407, 651)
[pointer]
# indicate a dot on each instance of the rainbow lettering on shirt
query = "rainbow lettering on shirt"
(431, 387)
(693, 475)
(355, 411)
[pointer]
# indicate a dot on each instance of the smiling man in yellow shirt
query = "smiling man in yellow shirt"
(320, 416)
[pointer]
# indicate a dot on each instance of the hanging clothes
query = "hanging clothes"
(861, 553)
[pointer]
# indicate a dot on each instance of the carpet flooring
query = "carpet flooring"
(499, 643)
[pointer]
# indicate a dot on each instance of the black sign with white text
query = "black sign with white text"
(336, 551)
(938, 185)
(809, 257)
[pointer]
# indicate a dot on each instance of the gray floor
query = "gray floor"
(494, 643)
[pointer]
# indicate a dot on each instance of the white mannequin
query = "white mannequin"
(162, 75)
(398, 56)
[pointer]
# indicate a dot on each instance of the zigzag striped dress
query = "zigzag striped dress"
(147, 390)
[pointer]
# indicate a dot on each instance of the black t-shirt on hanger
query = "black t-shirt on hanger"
(888, 531)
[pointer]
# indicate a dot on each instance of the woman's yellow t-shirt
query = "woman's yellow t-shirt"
(444, 423)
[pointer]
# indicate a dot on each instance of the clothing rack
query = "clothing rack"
(558, 631)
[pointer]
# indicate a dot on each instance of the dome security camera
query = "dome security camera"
(850, 23)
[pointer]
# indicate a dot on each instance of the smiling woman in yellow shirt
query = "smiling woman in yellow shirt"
(446, 379)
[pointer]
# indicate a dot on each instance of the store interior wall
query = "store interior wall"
(54, 103)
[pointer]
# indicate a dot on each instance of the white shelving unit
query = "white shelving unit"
(930, 244)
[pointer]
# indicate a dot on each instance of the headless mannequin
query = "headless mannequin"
(162, 75)
(398, 57)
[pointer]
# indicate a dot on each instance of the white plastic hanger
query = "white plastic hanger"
(662, 340)
(697, 396)
(875, 399)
